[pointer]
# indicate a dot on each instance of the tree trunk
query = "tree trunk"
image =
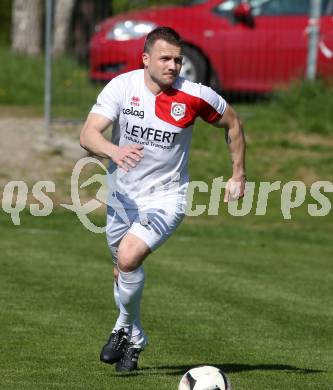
(87, 13)
(62, 21)
(26, 26)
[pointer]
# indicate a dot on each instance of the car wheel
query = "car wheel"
(194, 66)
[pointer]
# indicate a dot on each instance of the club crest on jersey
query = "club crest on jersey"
(178, 110)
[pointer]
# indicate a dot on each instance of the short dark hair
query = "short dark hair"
(166, 34)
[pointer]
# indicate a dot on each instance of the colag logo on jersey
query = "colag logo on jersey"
(178, 111)
(132, 111)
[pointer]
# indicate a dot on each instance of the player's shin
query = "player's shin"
(130, 287)
(138, 335)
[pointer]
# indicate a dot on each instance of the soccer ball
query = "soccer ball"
(204, 378)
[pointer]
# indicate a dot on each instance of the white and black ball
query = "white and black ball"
(204, 378)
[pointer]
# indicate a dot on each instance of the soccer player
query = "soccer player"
(152, 111)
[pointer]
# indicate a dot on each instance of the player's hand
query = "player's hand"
(128, 156)
(235, 188)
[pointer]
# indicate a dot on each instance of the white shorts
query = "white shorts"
(153, 225)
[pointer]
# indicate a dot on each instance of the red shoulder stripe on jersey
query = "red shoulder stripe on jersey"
(208, 113)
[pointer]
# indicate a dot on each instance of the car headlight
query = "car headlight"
(130, 29)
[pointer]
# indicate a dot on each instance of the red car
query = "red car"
(229, 44)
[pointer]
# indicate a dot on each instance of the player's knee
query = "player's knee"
(128, 266)
(127, 262)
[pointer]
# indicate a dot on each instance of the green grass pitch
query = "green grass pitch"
(252, 295)
(253, 299)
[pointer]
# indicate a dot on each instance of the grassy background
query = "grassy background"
(252, 295)
(253, 299)
(22, 84)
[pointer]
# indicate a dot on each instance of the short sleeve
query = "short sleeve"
(212, 105)
(109, 100)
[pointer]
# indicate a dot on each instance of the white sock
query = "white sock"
(137, 327)
(130, 288)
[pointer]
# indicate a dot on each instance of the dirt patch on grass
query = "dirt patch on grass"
(26, 156)
(308, 176)
(311, 139)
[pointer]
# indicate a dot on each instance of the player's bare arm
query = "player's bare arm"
(235, 139)
(93, 140)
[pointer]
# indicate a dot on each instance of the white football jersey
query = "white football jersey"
(163, 125)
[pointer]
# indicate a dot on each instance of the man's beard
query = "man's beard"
(162, 82)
